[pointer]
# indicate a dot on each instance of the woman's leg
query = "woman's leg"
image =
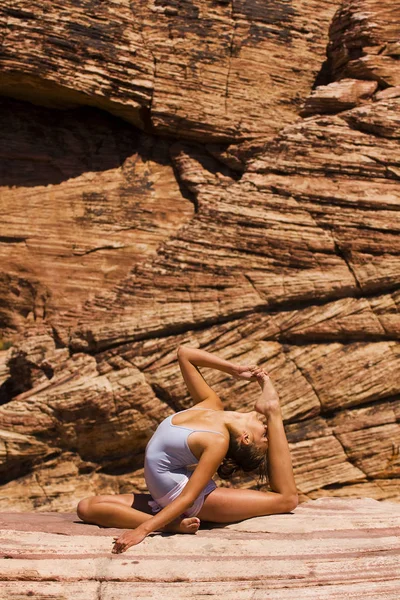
(117, 510)
(225, 505)
(126, 511)
(228, 505)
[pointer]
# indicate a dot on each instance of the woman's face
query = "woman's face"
(257, 427)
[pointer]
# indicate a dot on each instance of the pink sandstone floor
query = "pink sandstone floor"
(329, 549)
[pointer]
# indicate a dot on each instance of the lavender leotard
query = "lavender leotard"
(166, 463)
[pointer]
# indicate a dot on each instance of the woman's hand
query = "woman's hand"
(127, 539)
(245, 372)
(260, 375)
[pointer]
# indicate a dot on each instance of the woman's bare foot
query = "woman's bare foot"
(188, 525)
(269, 400)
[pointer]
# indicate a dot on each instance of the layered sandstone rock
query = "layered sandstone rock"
(338, 96)
(118, 245)
(199, 70)
(327, 549)
(85, 197)
(364, 41)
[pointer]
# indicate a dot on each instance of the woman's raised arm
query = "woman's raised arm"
(192, 358)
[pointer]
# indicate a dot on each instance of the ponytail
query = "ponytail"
(241, 457)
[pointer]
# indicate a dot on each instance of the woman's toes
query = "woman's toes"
(190, 524)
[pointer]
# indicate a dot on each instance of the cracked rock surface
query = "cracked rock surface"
(201, 173)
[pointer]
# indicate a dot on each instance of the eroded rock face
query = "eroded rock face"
(218, 71)
(364, 41)
(86, 197)
(118, 245)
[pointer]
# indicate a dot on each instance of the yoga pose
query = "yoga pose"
(189, 447)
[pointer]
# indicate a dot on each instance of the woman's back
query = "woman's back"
(168, 454)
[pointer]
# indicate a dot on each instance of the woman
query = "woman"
(207, 439)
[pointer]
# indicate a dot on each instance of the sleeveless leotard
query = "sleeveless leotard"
(166, 463)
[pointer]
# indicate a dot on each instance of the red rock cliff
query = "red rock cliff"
(224, 174)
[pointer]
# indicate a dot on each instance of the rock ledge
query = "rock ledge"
(328, 548)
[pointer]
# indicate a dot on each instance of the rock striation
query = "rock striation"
(196, 173)
(327, 549)
(217, 71)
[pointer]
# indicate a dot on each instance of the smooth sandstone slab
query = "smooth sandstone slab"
(328, 548)
(230, 591)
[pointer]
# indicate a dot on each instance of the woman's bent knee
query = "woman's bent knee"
(83, 509)
(290, 502)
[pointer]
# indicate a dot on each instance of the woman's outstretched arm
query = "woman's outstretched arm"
(192, 358)
(207, 466)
